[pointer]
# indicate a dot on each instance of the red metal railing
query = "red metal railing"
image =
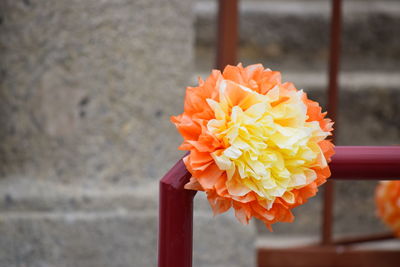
(227, 34)
(358, 163)
(175, 218)
(333, 98)
(176, 203)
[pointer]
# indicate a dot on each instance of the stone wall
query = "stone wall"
(87, 87)
(86, 91)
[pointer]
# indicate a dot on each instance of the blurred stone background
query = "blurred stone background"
(86, 91)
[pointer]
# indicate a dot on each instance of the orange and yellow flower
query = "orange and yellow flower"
(256, 144)
(387, 198)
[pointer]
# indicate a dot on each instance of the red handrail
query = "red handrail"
(366, 163)
(175, 219)
(333, 98)
(227, 34)
(176, 203)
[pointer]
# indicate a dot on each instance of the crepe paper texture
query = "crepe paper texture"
(256, 144)
(387, 198)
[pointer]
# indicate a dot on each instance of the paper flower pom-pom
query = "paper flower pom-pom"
(387, 198)
(256, 144)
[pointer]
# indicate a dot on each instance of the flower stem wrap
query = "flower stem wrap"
(256, 144)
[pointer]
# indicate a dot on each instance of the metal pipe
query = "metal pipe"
(227, 35)
(334, 59)
(176, 203)
(175, 219)
(366, 163)
(333, 89)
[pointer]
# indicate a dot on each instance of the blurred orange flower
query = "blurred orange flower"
(256, 144)
(387, 198)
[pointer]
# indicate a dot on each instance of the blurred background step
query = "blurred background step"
(295, 34)
(302, 240)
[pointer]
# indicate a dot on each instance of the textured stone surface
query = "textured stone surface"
(100, 239)
(48, 224)
(21, 195)
(118, 238)
(44, 223)
(87, 87)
